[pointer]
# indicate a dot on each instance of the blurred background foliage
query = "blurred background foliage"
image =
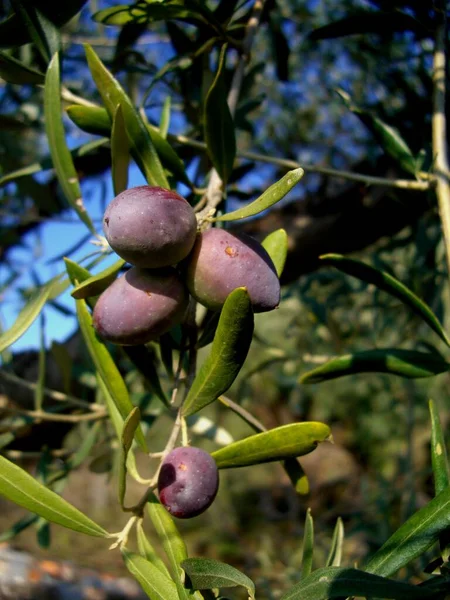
(378, 472)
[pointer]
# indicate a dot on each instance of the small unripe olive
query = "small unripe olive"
(188, 482)
(150, 227)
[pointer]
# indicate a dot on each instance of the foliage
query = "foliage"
(208, 88)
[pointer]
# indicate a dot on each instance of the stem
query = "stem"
(53, 394)
(45, 416)
(405, 184)
(244, 414)
(439, 127)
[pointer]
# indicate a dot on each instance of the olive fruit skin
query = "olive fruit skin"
(150, 227)
(188, 482)
(221, 262)
(140, 305)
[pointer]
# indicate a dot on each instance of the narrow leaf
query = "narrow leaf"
(387, 136)
(271, 196)
(165, 118)
(62, 159)
(439, 458)
(41, 30)
(228, 353)
(335, 556)
(410, 364)
(297, 475)
(144, 362)
(120, 152)
(19, 487)
(18, 527)
(14, 71)
(106, 367)
(207, 573)
(334, 582)
(147, 551)
(308, 545)
(97, 121)
(27, 316)
(276, 245)
(171, 541)
(413, 538)
(96, 284)
(287, 441)
(130, 426)
(113, 94)
(386, 282)
(219, 127)
(155, 584)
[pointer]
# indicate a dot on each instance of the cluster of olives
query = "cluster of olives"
(155, 230)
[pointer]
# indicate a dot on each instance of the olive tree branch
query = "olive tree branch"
(214, 192)
(405, 184)
(439, 127)
(53, 394)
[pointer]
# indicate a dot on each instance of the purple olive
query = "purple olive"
(221, 261)
(140, 306)
(188, 482)
(150, 227)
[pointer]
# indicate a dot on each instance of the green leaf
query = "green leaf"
(14, 34)
(439, 458)
(14, 71)
(144, 362)
(155, 584)
(386, 282)
(97, 121)
(150, 12)
(219, 127)
(207, 574)
(308, 545)
(86, 446)
(106, 367)
(410, 364)
(276, 246)
(91, 119)
(147, 551)
(94, 285)
(271, 196)
(113, 94)
(287, 441)
(19, 487)
(335, 556)
(47, 163)
(120, 152)
(165, 117)
(171, 541)
(18, 527)
(62, 159)
(228, 353)
(130, 426)
(41, 29)
(413, 538)
(333, 582)
(27, 316)
(297, 475)
(387, 136)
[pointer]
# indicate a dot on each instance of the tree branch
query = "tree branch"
(439, 127)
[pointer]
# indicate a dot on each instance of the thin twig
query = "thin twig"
(22, 455)
(53, 394)
(244, 414)
(439, 127)
(46, 416)
(405, 184)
